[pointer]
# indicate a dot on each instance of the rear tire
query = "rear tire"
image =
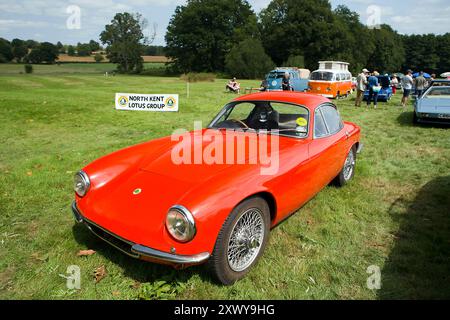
(348, 170)
(241, 241)
(415, 120)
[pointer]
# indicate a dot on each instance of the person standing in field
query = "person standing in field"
(286, 82)
(407, 84)
(394, 84)
(361, 82)
(421, 84)
(374, 89)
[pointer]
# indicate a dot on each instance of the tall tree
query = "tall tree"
(6, 53)
(299, 27)
(31, 44)
(356, 44)
(202, 32)
(422, 52)
(83, 49)
(125, 39)
(19, 49)
(94, 45)
(44, 52)
(60, 47)
(444, 53)
(71, 50)
(389, 53)
(248, 60)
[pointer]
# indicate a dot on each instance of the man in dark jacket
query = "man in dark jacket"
(286, 83)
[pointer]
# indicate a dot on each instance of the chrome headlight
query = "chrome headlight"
(81, 183)
(180, 224)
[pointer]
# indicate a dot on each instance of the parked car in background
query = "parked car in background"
(181, 214)
(399, 78)
(331, 80)
(298, 79)
(385, 93)
(434, 104)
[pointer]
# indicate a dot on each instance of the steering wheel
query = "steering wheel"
(240, 122)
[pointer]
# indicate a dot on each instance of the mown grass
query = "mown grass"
(393, 215)
(71, 68)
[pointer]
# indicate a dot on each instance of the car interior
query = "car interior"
(265, 117)
(385, 82)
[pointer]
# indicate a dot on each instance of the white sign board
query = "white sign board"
(147, 102)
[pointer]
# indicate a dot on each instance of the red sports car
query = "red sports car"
(178, 201)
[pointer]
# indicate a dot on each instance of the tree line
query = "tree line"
(31, 51)
(228, 36)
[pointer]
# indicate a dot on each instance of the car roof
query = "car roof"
(334, 71)
(305, 99)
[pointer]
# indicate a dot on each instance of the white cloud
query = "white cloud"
(11, 24)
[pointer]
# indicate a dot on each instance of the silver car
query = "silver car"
(434, 105)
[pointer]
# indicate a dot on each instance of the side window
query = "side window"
(332, 119)
(338, 77)
(320, 129)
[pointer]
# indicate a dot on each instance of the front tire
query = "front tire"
(348, 170)
(241, 241)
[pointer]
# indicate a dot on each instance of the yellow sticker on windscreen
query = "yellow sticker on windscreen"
(302, 122)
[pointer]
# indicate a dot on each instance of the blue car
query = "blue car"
(297, 83)
(434, 104)
(385, 93)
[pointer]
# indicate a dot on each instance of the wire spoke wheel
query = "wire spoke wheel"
(246, 240)
(349, 166)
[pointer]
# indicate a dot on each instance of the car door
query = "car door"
(328, 148)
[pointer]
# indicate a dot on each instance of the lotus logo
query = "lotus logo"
(123, 101)
(137, 191)
(170, 102)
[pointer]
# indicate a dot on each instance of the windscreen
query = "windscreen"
(322, 76)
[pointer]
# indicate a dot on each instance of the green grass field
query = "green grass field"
(394, 214)
(70, 68)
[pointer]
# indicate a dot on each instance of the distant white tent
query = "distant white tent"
(445, 75)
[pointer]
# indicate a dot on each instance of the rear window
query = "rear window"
(442, 92)
(276, 75)
(322, 76)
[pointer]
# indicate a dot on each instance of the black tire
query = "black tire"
(219, 263)
(415, 120)
(344, 177)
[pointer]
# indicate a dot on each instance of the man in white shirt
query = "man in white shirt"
(361, 82)
(407, 84)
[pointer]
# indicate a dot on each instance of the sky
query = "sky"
(75, 21)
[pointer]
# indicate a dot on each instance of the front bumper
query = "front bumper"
(429, 117)
(136, 250)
